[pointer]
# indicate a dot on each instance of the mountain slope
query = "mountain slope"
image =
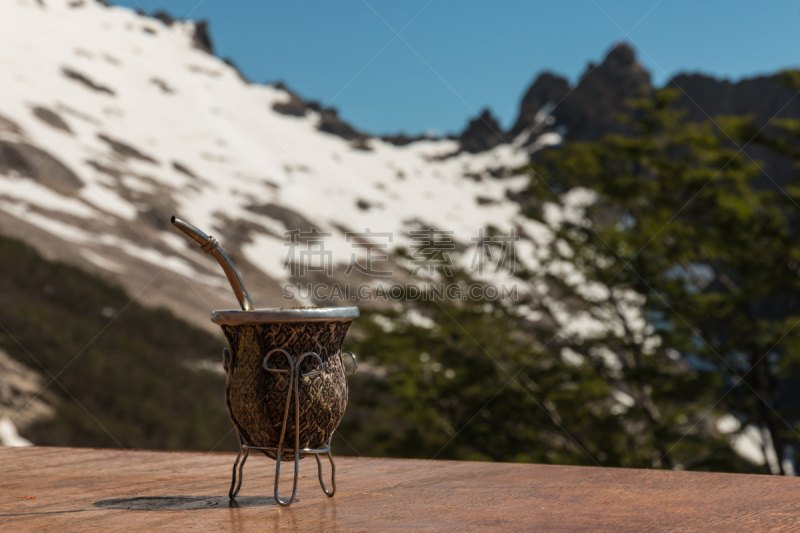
(112, 122)
(145, 379)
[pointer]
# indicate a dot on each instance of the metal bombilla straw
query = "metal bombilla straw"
(210, 246)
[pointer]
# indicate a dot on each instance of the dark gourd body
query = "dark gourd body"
(256, 399)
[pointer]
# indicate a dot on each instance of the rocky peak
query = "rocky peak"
(202, 38)
(601, 94)
(587, 110)
(621, 57)
(547, 89)
(482, 133)
(164, 16)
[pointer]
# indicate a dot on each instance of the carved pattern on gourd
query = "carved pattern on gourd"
(256, 399)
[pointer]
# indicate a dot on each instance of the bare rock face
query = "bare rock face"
(20, 401)
(52, 118)
(602, 93)
(482, 133)
(294, 107)
(765, 97)
(125, 150)
(588, 110)
(86, 81)
(548, 90)
(329, 119)
(164, 16)
(9, 126)
(288, 217)
(329, 122)
(28, 161)
(202, 39)
(584, 112)
(401, 139)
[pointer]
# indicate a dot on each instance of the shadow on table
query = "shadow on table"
(184, 503)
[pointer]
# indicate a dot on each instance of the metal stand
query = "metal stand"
(244, 449)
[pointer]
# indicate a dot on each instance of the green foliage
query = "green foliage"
(486, 384)
(125, 381)
(678, 219)
(465, 380)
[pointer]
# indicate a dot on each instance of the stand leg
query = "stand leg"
(330, 493)
(294, 383)
(286, 503)
(243, 454)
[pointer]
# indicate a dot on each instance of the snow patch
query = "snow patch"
(9, 435)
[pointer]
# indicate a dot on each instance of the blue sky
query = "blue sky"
(455, 57)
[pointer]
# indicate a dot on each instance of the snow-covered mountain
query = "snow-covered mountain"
(111, 121)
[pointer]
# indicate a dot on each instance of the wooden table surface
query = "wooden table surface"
(69, 489)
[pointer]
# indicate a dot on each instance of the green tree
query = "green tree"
(488, 383)
(676, 218)
(478, 385)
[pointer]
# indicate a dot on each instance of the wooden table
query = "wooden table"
(114, 490)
